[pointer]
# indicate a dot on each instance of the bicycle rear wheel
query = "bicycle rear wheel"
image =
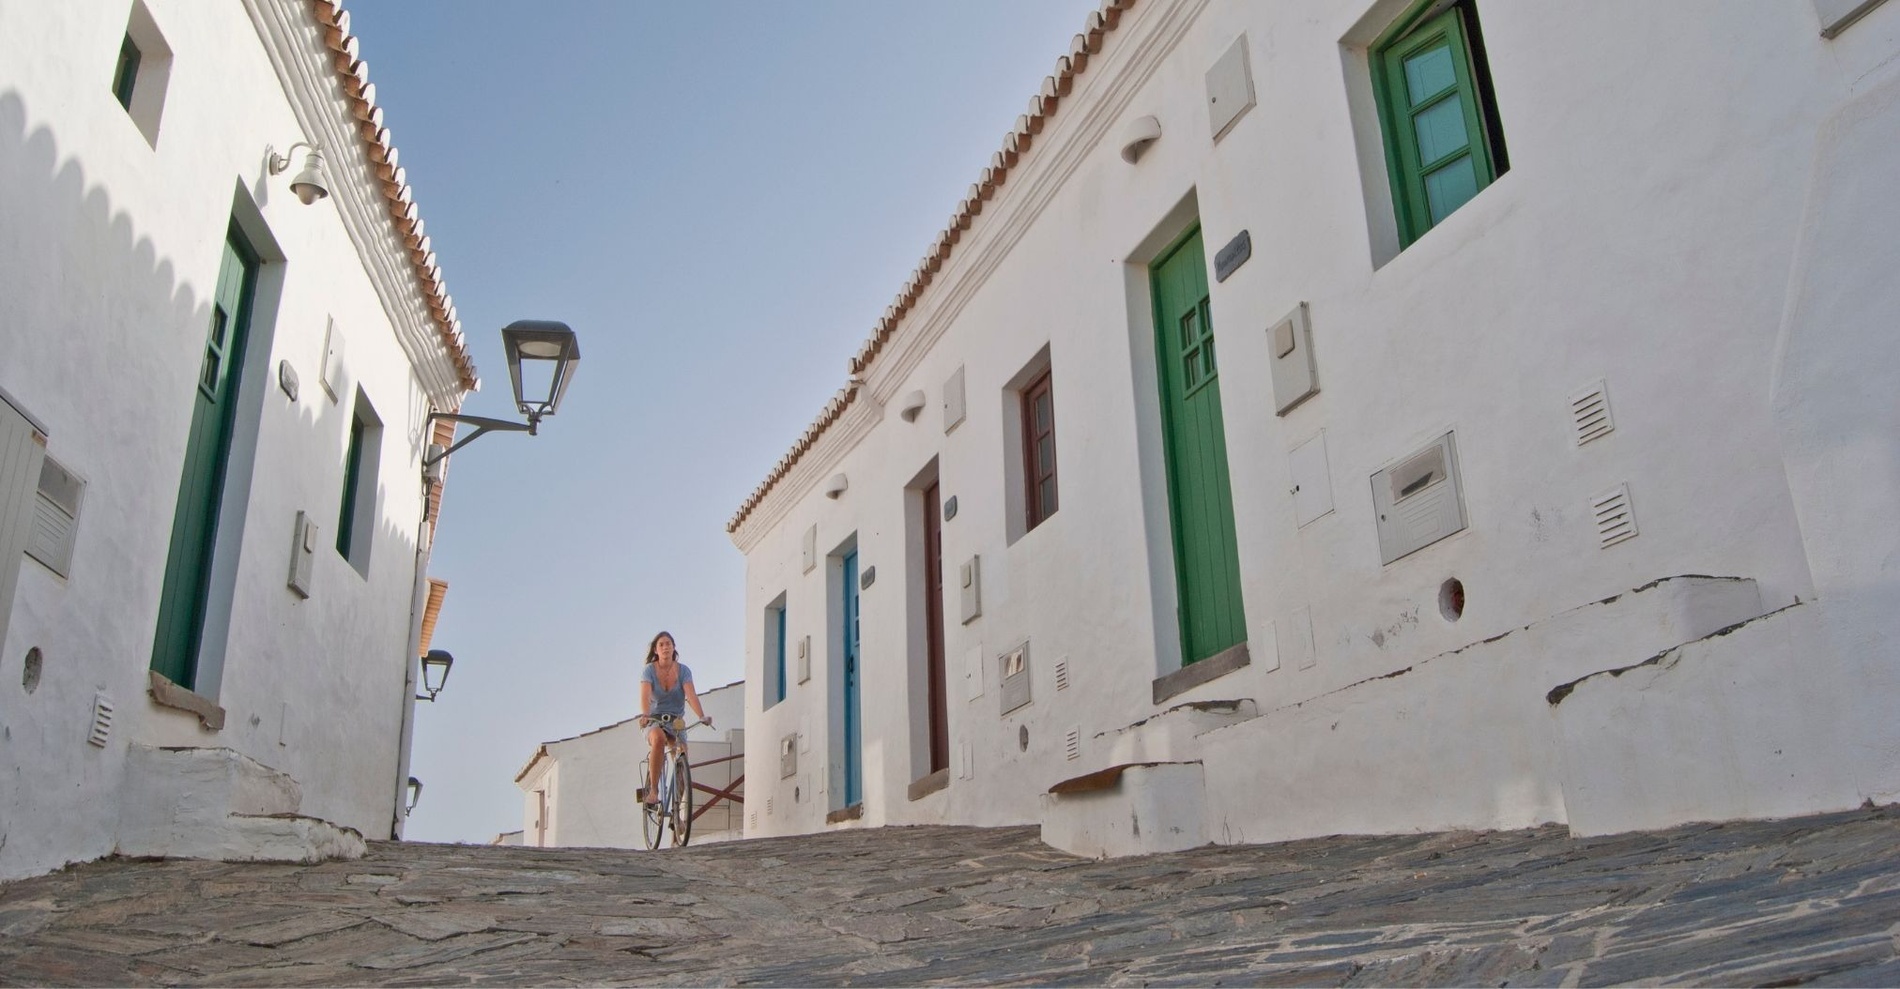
(682, 801)
(652, 821)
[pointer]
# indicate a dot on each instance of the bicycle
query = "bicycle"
(675, 794)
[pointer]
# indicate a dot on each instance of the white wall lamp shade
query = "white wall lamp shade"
(1140, 132)
(912, 405)
(308, 183)
(835, 486)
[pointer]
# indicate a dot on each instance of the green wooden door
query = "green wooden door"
(181, 608)
(1200, 499)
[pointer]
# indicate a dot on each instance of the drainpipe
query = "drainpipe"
(412, 670)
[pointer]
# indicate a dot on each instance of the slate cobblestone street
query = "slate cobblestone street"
(1813, 901)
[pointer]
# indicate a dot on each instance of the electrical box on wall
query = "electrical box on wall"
(1419, 501)
(1312, 480)
(1012, 677)
(953, 402)
(973, 673)
(970, 582)
(331, 376)
(303, 553)
(1290, 349)
(804, 659)
(1229, 88)
(788, 756)
(809, 552)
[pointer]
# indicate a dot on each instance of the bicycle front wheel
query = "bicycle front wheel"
(682, 801)
(652, 821)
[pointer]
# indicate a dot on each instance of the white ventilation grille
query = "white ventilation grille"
(752, 821)
(1062, 674)
(1590, 412)
(101, 720)
(1072, 743)
(1615, 519)
(55, 513)
(768, 806)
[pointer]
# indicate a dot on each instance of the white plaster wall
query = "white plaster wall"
(1839, 413)
(1643, 235)
(109, 250)
(591, 778)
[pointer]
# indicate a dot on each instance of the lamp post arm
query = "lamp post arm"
(482, 424)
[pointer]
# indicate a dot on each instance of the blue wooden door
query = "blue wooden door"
(853, 725)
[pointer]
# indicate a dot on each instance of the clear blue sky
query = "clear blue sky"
(721, 198)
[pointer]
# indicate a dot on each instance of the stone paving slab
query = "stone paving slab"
(1813, 901)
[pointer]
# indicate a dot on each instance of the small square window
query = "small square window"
(1031, 489)
(775, 652)
(1039, 445)
(141, 71)
(356, 527)
(1443, 141)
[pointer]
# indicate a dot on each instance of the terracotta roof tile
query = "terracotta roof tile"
(353, 73)
(1016, 143)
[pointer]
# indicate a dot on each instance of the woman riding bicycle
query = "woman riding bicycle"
(666, 688)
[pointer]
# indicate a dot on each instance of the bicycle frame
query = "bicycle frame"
(672, 799)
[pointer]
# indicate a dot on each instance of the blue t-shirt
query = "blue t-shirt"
(665, 701)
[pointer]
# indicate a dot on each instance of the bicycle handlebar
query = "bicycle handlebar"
(672, 721)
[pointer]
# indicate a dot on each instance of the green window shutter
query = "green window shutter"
(126, 73)
(1435, 109)
(352, 476)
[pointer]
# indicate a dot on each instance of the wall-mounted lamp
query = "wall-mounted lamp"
(415, 794)
(835, 486)
(911, 405)
(307, 184)
(435, 672)
(1141, 132)
(546, 348)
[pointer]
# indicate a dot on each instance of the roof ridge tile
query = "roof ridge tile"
(1055, 87)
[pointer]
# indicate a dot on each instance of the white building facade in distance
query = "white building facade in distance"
(224, 335)
(579, 792)
(1545, 470)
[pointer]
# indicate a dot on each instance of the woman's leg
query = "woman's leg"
(656, 746)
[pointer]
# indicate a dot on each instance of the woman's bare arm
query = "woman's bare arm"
(692, 698)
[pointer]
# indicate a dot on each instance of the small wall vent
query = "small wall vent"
(1062, 674)
(1590, 412)
(768, 806)
(1072, 743)
(55, 516)
(1616, 521)
(102, 711)
(752, 820)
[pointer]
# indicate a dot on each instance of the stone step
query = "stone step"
(1171, 736)
(1755, 720)
(1465, 740)
(217, 803)
(1127, 809)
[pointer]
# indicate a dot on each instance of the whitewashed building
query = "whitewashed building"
(213, 515)
(579, 792)
(1548, 468)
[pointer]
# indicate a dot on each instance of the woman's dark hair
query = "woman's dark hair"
(654, 646)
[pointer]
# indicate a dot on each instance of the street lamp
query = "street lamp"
(549, 350)
(435, 672)
(415, 795)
